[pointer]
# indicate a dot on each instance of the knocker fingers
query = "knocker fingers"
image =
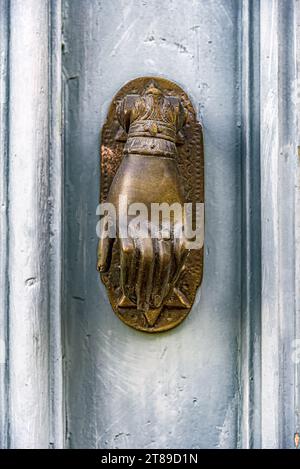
(105, 246)
(127, 254)
(180, 255)
(150, 267)
(145, 272)
(161, 277)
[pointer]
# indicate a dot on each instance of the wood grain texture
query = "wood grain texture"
(297, 219)
(279, 193)
(28, 222)
(34, 213)
(4, 86)
(55, 213)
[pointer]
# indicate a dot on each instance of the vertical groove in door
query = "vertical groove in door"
(4, 227)
(297, 221)
(56, 172)
(249, 409)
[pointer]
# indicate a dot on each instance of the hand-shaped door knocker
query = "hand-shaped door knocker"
(150, 252)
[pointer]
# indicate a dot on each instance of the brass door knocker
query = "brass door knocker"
(152, 195)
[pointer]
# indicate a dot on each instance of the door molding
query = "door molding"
(279, 222)
(31, 397)
(4, 40)
(249, 365)
(270, 277)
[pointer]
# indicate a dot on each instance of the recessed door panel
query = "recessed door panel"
(126, 388)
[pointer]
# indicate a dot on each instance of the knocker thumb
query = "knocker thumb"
(105, 247)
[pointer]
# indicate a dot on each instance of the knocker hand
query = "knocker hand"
(154, 140)
(151, 261)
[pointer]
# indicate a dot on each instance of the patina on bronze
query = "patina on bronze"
(152, 152)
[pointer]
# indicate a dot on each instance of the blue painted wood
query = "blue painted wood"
(28, 246)
(4, 86)
(280, 228)
(31, 402)
(125, 388)
(250, 346)
(229, 375)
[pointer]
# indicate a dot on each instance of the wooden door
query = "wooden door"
(71, 373)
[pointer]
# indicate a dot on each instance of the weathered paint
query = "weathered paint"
(28, 225)
(31, 402)
(4, 41)
(226, 377)
(124, 388)
(280, 286)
